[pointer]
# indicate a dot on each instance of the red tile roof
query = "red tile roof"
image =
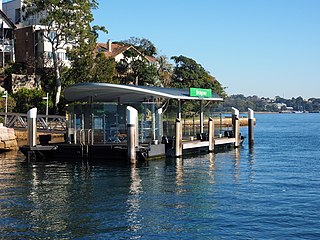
(118, 48)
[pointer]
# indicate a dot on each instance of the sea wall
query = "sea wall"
(8, 139)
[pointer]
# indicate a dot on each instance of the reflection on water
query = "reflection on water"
(134, 202)
(60, 200)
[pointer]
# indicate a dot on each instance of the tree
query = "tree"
(66, 23)
(104, 69)
(145, 46)
(138, 72)
(28, 98)
(188, 73)
(164, 71)
(135, 69)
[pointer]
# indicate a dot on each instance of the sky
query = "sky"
(266, 48)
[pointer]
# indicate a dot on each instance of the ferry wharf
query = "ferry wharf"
(126, 123)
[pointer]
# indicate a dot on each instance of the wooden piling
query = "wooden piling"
(132, 124)
(236, 126)
(32, 127)
(178, 138)
(250, 127)
(211, 134)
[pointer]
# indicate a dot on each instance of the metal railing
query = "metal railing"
(45, 123)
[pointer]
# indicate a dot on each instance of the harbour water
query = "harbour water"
(269, 192)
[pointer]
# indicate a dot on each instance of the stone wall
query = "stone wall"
(17, 81)
(7, 139)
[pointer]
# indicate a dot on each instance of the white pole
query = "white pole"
(32, 127)
(132, 124)
(47, 106)
(178, 143)
(236, 126)
(211, 134)
(201, 117)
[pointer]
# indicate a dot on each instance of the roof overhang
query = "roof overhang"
(107, 92)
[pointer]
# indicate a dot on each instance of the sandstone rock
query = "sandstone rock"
(7, 139)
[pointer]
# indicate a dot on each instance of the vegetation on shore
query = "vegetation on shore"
(278, 104)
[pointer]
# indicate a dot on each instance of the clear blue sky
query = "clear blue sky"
(253, 47)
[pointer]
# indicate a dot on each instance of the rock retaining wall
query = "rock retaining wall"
(8, 139)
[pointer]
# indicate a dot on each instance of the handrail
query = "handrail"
(83, 138)
(90, 130)
(48, 123)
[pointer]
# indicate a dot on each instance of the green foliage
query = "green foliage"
(28, 98)
(17, 68)
(11, 103)
(90, 68)
(67, 22)
(138, 72)
(104, 69)
(188, 73)
(144, 46)
(164, 71)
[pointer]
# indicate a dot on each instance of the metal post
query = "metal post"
(153, 127)
(193, 125)
(47, 106)
(251, 127)
(179, 109)
(167, 122)
(201, 116)
(159, 124)
(178, 143)
(104, 128)
(32, 127)
(211, 134)
(75, 128)
(184, 124)
(5, 95)
(236, 126)
(220, 133)
(132, 124)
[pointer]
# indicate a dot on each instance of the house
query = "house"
(118, 51)
(33, 47)
(6, 39)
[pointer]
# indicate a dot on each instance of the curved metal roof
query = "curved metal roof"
(107, 92)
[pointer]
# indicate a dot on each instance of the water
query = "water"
(270, 192)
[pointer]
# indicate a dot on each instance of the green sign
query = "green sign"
(200, 92)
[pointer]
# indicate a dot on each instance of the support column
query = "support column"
(236, 126)
(201, 116)
(75, 128)
(251, 127)
(153, 127)
(211, 134)
(178, 138)
(32, 127)
(132, 126)
(179, 109)
(159, 124)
